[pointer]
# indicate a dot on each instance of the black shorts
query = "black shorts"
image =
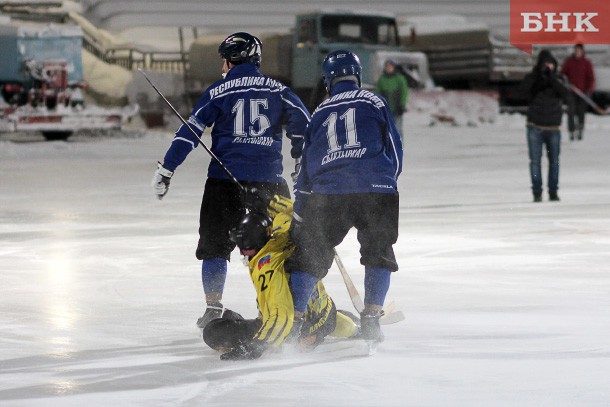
(221, 209)
(328, 218)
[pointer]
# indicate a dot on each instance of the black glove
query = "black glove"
(547, 73)
(296, 228)
(247, 351)
(297, 168)
(255, 199)
(160, 181)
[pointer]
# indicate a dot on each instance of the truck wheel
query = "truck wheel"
(56, 135)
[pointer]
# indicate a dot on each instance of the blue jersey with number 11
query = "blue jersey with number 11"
(351, 145)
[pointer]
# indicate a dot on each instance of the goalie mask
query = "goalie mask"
(241, 47)
(252, 232)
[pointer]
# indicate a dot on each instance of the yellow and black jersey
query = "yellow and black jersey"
(270, 279)
(320, 316)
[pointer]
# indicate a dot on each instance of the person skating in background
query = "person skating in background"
(263, 238)
(348, 178)
(247, 111)
(548, 92)
(393, 86)
(579, 71)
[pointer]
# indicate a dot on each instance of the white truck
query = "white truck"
(41, 87)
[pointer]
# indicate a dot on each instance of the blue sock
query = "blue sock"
(301, 286)
(376, 285)
(213, 275)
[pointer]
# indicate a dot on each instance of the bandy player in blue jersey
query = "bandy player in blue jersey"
(351, 162)
(247, 112)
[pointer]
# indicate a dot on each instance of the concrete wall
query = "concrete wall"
(212, 16)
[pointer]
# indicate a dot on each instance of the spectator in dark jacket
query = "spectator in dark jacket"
(547, 94)
(579, 71)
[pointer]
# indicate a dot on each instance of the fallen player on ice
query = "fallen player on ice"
(263, 238)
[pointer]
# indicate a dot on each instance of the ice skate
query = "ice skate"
(213, 311)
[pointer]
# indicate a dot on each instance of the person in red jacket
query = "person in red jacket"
(579, 72)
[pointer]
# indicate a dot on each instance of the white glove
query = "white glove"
(160, 181)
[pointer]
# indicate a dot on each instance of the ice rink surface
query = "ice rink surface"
(507, 302)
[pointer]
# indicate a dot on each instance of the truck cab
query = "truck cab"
(295, 58)
(372, 36)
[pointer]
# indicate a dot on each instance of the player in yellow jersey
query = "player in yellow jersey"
(264, 239)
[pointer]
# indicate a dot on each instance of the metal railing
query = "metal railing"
(131, 57)
(134, 58)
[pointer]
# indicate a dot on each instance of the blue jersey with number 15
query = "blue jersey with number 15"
(351, 145)
(247, 111)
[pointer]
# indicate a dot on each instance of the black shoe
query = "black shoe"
(537, 197)
(213, 311)
(370, 328)
(572, 135)
(553, 196)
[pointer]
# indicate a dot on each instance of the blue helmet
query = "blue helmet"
(338, 64)
(241, 47)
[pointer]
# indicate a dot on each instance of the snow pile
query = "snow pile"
(457, 108)
(104, 38)
(105, 80)
(440, 23)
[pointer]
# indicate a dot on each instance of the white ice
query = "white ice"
(507, 302)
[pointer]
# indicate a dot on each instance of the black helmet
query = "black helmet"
(252, 232)
(241, 47)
